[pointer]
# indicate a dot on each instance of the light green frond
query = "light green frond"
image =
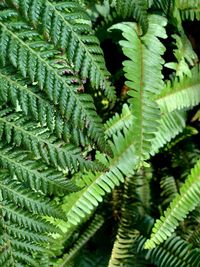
(68, 26)
(144, 77)
(171, 124)
(19, 130)
(185, 56)
(98, 184)
(181, 93)
(25, 50)
(183, 203)
(118, 122)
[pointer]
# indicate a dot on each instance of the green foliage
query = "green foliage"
(98, 136)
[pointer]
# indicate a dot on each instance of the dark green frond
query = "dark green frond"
(190, 9)
(68, 26)
(17, 129)
(32, 172)
(22, 47)
(133, 9)
(174, 252)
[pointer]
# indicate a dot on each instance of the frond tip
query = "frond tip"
(183, 203)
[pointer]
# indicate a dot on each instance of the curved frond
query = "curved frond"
(144, 77)
(181, 93)
(68, 26)
(183, 203)
(98, 184)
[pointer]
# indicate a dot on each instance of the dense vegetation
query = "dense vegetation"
(99, 126)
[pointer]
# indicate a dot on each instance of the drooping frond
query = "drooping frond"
(184, 54)
(68, 26)
(133, 9)
(173, 252)
(164, 5)
(32, 172)
(99, 183)
(25, 50)
(93, 227)
(183, 203)
(169, 189)
(181, 93)
(144, 77)
(171, 124)
(118, 122)
(23, 232)
(190, 9)
(17, 129)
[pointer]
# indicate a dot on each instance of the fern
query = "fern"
(189, 9)
(174, 252)
(37, 65)
(147, 80)
(122, 164)
(179, 94)
(185, 202)
(68, 27)
(20, 131)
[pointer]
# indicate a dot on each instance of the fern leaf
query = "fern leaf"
(18, 129)
(185, 56)
(190, 9)
(136, 9)
(171, 124)
(33, 172)
(93, 227)
(118, 122)
(183, 93)
(69, 28)
(16, 91)
(77, 107)
(173, 252)
(144, 77)
(122, 164)
(184, 202)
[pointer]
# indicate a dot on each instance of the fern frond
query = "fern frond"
(98, 184)
(173, 252)
(169, 189)
(31, 61)
(33, 172)
(17, 129)
(190, 9)
(164, 5)
(93, 227)
(183, 203)
(18, 92)
(185, 56)
(143, 72)
(133, 9)
(179, 94)
(171, 124)
(118, 122)
(68, 26)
